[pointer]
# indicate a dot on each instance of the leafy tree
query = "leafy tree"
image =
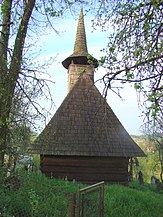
(134, 52)
(10, 63)
(151, 165)
(157, 138)
(20, 130)
(17, 75)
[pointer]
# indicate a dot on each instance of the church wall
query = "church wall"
(86, 169)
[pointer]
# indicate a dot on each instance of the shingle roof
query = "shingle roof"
(85, 125)
(80, 53)
(80, 47)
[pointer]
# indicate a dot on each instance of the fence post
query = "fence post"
(72, 204)
(102, 200)
(79, 194)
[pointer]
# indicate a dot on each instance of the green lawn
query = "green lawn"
(38, 196)
(123, 201)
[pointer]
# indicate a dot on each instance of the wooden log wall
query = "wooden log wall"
(86, 169)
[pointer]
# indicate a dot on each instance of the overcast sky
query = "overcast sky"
(61, 46)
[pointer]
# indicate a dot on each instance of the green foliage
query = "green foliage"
(122, 201)
(134, 49)
(41, 196)
(145, 187)
(91, 60)
(102, 60)
(36, 196)
(36, 162)
(138, 86)
(53, 13)
(150, 164)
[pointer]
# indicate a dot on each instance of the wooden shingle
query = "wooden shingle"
(85, 125)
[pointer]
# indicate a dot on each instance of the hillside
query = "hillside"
(32, 195)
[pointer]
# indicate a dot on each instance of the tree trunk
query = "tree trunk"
(161, 161)
(9, 72)
(4, 111)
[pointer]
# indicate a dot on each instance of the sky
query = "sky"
(61, 46)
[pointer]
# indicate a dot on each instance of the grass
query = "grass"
(39, 196)
(36, 196)
(123, 201)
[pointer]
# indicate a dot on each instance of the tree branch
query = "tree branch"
(19, 43)
(29, 99)
(134, 66)
(4, 37)
(127, 69)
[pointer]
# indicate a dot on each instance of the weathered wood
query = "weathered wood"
(78, 160)
(86, 169)
(72, 204)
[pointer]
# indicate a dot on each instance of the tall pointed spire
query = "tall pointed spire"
(80, 47)
(80, 53)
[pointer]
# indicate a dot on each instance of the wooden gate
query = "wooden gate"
(91, 201)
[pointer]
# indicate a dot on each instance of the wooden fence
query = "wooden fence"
(88, 201)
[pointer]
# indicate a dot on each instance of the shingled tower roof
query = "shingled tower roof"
(84, 124)
(80, 54)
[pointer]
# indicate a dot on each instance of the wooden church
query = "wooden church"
(84, 140)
